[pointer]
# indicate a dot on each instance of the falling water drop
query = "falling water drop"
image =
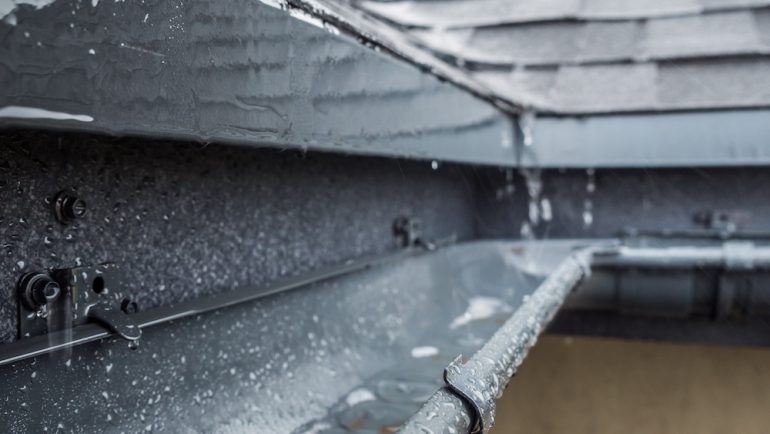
(546, 211)
(534, 189)
(588, 205)
(526, 231)
(588, 215)
(508, 188)
(527, 125)
(591, 183)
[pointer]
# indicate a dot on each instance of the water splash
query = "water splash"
(424, 351)
(480, 308)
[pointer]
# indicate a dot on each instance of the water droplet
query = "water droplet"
(527, 126)
(546, 211)
(591, 182)
(588, 215)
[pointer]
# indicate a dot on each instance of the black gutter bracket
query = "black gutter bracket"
(459, 379)
(408, 233)
(57, 300)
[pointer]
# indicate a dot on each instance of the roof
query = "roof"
(599, 56)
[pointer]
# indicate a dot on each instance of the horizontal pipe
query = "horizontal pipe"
(730, 255)
(482, 379)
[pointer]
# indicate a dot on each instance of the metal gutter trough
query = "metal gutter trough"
(372, 346)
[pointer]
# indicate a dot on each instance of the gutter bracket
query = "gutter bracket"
(480, 398)
(59, 299)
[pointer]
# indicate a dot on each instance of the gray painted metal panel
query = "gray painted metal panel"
(185, 221)
(724, 138)
(239, 72)
(356, 353)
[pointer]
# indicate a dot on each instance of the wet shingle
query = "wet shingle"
(762, 24)
(468, 13)
(605, 87)
(531, 87)
(550, 43)
(711, 5)
(592, 56)
(702, 35)
(714, 84)
(626, 9)
(607, 41)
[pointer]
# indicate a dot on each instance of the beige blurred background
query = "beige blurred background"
(588, 385)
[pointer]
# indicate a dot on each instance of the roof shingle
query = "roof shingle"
(594, 56)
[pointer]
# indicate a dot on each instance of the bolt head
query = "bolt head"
(78, 208)
(36, 289)
(68, 207)
(129, 306)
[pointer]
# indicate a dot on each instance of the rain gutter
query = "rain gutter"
(467, 403)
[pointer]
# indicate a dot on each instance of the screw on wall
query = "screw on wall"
(67, 207)
(129, 306)
(408, 233)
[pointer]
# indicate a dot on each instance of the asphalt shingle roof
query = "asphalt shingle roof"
(597, 56)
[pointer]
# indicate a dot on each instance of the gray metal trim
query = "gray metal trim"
(323, 87)
(31, 347)
(711, 138)
(731, 255)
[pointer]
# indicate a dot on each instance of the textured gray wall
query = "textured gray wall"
(187, 220)
(644, 199)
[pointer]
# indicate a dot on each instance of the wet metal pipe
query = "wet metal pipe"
(731, 255)
(467, 404)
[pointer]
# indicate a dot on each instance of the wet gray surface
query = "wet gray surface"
(184, 221)
(238, 71)
(359, 353)
(601, 203)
